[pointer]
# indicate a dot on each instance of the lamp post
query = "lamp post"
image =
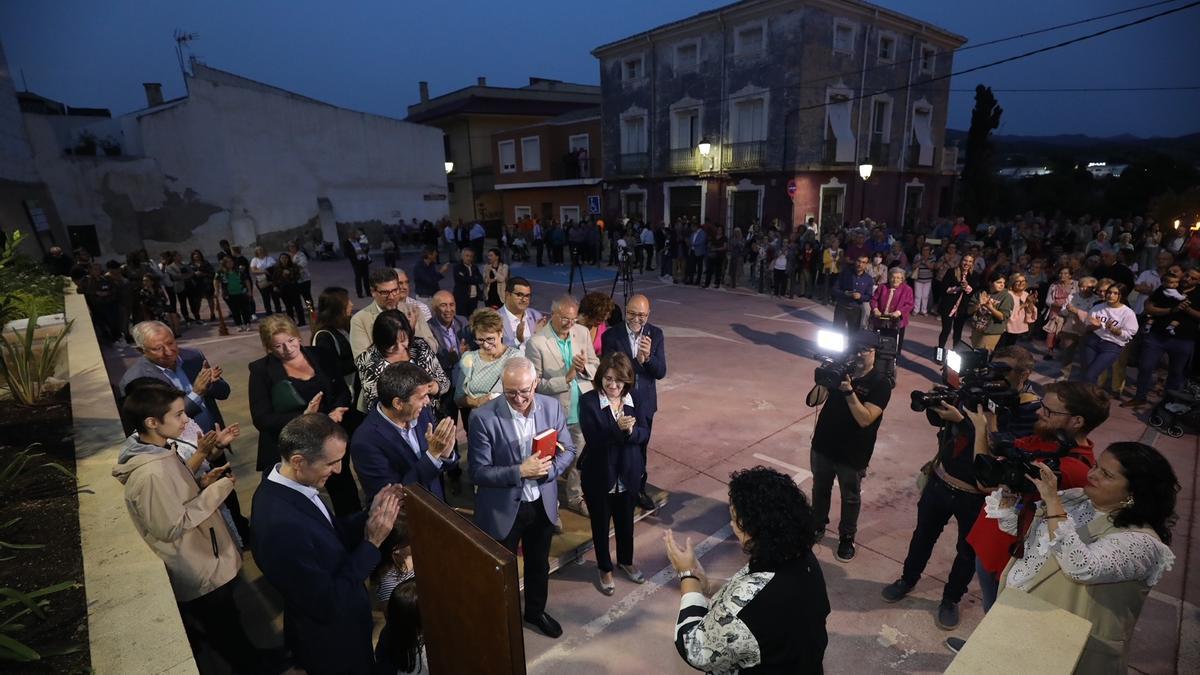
(705, 147)
(864, 171)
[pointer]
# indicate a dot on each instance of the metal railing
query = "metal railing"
(684, 160)
(748, 155)
(633, 163)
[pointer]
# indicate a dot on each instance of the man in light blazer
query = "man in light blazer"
(521, 321)
(646, 346)
(397, 442)
(389, 288)
(563, 355)
(185, 369)
(517, 498)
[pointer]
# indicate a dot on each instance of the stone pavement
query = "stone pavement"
(739, 365)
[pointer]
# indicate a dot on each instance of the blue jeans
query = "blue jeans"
(1179, 352)
(1098, 356)
(989, 585)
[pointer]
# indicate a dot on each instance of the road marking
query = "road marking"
(673, 302)
(626, 604)
(801, 474)
(219, 338)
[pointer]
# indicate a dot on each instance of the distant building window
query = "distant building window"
(887, 47)
(838, 127)
(579, 142)
(843, 36)
(922, 131)
(750, 40)
(508, 156)
(928, 59)
(633, 69)
(531, 153)
(750, 120)
(881, 112)
(687, 57)
(633, 135)
(685, 126)
(522, 213)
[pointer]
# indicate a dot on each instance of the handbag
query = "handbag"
(926, 471)
(285, 398)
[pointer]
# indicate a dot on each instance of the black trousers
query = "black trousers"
(644, 449)
(615, 507)
(938, 503)
(954, 323)
(533, 530)
(362, 286)
(213, 620)
(849, 479)
(714, 270)
(847, 314)
(241, 308)
(270, 299)
(540, 246)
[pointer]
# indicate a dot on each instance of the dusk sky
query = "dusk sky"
(369, 56)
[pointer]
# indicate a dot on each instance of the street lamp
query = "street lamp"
(864, 171)
(705, 147)
(449, 166)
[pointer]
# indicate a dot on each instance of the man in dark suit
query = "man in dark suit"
(517, 498)
(183, 368)
(449, 329)
(320, 563)
(397, 442)
(646, 346)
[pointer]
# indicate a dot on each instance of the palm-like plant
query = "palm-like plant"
(24, 370)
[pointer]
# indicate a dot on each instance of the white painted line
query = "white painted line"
(625, 605)
(801, 474)
(771, 318)
(219, 338)
(673, 302)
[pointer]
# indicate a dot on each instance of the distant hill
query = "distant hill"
(1027, 150)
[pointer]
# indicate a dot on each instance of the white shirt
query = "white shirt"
(409, 433)
(1119, 316)
(313, 494)
(634, 339)
(514, 322)
(421, 307)
(647, 236)
(259, 267)
(1137, 298)
(616, 411)
(525, 430)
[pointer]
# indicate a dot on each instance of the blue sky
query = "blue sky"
(369, 55)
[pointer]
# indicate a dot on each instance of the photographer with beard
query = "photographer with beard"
(844, 439)
(951, 489)
(1076, 408)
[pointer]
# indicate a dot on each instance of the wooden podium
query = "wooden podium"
(469, 591)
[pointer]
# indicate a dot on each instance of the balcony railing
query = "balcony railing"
(633, 163)
(829, 152)
(684, 160)
(744, 156)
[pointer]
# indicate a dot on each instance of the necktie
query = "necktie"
(521, 329)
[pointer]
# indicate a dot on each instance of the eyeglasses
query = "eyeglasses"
(491, 340)
(387, 292)
(523, 296)
(638, 315)
(514, 393)
(1050, 411)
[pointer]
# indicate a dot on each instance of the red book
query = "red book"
(545, 442)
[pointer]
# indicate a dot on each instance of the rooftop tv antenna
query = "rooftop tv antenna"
(182, 40)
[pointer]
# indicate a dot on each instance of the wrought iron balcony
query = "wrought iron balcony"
(633, 163)
(684, 161)
(746, 156)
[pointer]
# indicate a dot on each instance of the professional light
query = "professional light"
(705, 147)
(865, 170)
(831, 341)
(449, 166)
(954, 361)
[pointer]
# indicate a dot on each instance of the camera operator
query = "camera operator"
(952, 490)
(843, 441)
(1073, 407)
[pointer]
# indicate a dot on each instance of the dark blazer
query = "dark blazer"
(611, 453)
(320, 570)
(382, 457)
(645, 387)
(268, 370)
(448, 359)
(193, 362)
(464, 279)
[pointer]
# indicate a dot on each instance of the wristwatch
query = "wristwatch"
(688, 574)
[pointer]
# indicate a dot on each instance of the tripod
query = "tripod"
(576, 266)
(624, 275)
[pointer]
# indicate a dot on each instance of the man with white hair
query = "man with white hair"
(517, 498)
(566, 361)
(181, 367)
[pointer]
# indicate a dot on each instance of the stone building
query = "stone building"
(765, 109)
(471, 115)
(546, 169)
(235, 159)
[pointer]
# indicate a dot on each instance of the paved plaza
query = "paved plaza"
(739, 366)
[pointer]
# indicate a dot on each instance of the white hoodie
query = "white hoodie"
(1121, 316)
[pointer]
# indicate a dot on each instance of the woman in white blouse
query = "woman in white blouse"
(1113, 324)
(1097, 551)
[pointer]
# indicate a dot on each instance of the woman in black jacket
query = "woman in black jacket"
(292, 380)
(611, 468)
(958, 285)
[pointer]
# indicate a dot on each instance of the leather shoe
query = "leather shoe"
(546, 624)
(947, 616)
(606, 588)
(645, 502)
(896, 591)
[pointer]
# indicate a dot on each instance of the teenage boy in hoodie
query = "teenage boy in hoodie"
(179, 519)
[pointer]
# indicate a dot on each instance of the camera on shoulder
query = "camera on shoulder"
(840, 356)
(1011, 466)
(970, 381)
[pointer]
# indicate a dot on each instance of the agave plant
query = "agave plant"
(24, 371)
(15, 605)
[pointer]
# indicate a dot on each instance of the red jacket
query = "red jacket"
(993, 545)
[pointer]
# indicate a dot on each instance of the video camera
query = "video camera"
(1011, 466)
(839, 356)
(971, 381)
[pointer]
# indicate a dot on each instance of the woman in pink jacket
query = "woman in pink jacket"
(892, 303)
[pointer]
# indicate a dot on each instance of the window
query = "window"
(749, 120)
(579, 142)
(750, 40)
(922, 130)
(633, 135)
(685, 128)
(568, 214)
(531, 153)
(687, 57)
(881, 119)
(887, 47)
(632, 69)
(521, 213)
(508, 156)
(843, 36)
(838, 126)
(928, 57)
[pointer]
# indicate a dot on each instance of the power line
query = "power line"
(1056, 90)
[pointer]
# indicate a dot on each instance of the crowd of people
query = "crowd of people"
(378, 398)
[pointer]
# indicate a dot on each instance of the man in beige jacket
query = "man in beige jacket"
(565, 360)
(390, 289)
(180, 520)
